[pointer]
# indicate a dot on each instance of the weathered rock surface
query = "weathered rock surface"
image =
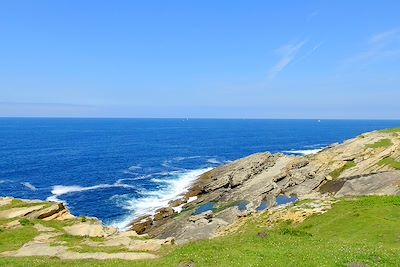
(91, 229)
(47, 242)
(260, 178)
(386, 183)
(38, 211)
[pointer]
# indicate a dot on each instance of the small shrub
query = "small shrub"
(293, 231)
(25, 222)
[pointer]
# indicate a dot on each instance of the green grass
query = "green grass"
(393, 130)
(14, 239)
(72, 240)
(58, 225)
(390, 162)
(336, 173)
(16, 203)
(90, 249)
(364, 230)
(381, 143)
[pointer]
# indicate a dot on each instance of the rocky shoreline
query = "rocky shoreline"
(260, 178)
(222, 199)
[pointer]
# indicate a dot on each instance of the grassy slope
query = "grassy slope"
(364, 230)
(390, 162)
(381, 143)
(336, 173)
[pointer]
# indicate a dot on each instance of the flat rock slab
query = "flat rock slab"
(89, 229)
(19, 212)
(5, 201)
(387, 183)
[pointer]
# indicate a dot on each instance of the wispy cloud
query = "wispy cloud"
(380, 46)
(309, 52)
(312, 15)
(287, 54)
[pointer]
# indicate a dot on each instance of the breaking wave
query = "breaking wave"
(59, 190)
(303, 152)
(151, 200)
(29, 186)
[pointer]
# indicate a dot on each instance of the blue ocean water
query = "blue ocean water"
(116, 169)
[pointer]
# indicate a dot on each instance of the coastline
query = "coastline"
(261, 178)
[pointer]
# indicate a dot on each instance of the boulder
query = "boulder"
(163, 213)
(142, 224)
(203, 216)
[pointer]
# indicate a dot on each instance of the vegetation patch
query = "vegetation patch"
(381, 143)
(25, 222)
(12, 239)
(336, 173)
(58, 225)
(364, 230)
(393, 130)
(93, 249)
(16, 203)
(73, 241)
(390, 162)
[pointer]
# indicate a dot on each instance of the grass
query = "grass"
(90, 249)
(381, 143)
(73, 241)
(336, 173)
(390, 162)
(393, 130)
(14, 239)
(16, 203)
(363, 230)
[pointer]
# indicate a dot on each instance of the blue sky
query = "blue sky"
(214, 59)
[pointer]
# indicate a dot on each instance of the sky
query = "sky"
(200, 59)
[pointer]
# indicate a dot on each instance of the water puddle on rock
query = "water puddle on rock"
(283, 200)
(242, 206)
(264, 205)
(210, 206)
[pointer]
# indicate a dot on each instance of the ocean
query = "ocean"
(119, 169)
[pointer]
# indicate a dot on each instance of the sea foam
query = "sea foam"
(29, 186)
(59, 190)
(304, 151)
(154, 199)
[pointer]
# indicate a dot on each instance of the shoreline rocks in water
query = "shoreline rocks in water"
(361, 166)
(262, 177)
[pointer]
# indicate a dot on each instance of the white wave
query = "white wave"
(184, 158)
(156, 199)
(304, 151)
(59, 190)
(134, 167)
(29, 186)
(315, 146)
(214, 161)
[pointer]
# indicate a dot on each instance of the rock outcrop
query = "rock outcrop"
(258, 179)
(36, 210)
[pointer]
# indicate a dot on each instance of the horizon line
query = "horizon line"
(188, 118)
